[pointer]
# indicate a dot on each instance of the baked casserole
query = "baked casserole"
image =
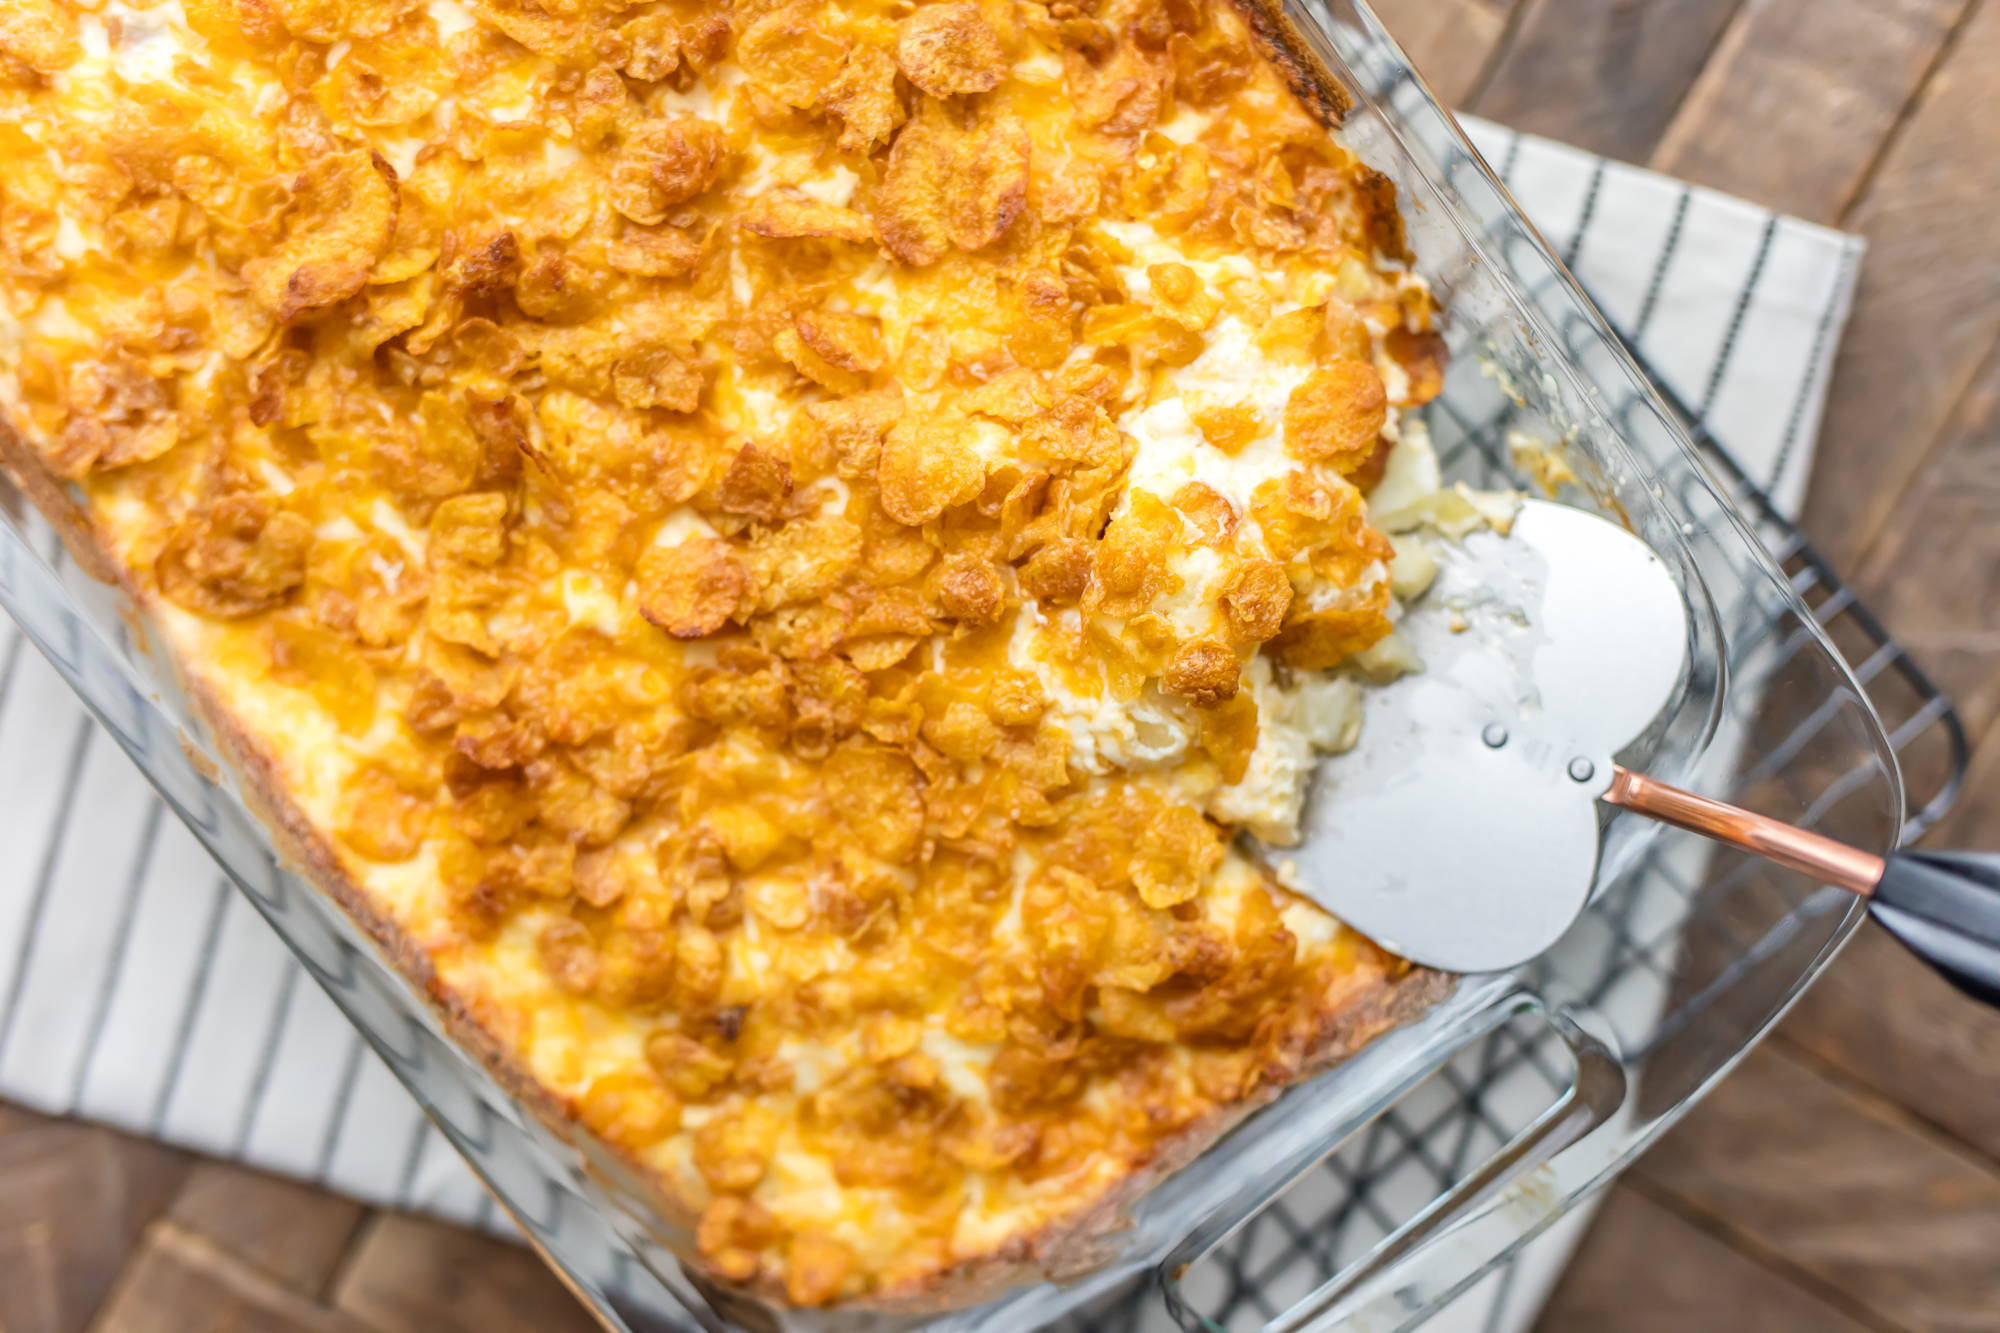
(764, 553)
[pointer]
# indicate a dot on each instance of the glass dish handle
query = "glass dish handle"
(1506, 1200)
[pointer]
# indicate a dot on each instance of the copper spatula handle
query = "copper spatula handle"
(1825, 860)
(1943, 906)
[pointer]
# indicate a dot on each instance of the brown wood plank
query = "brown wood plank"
(1448, 41)
(407, 1275)
(1928, 308)
(1605, 75)
(1800, 97)
(1889, 1022)
(73, 1198)
(292, 1232)
(13, 1118)
(1643, 1269)
(1843, 1187)
(1935, 574)
(180, 1282)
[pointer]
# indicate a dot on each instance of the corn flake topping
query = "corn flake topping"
(776, 543)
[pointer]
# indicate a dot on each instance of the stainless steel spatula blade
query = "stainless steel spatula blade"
(1462, 830)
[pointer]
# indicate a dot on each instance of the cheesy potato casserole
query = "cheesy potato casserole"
(764, 551)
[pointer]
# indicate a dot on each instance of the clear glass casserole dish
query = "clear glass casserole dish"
(1768, 708)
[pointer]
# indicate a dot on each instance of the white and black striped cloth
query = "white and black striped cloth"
(137, 988)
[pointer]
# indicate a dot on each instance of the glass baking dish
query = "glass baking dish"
(1768, 712)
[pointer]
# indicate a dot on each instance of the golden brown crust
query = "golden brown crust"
(1303, 72)
(1329, 101)
(843, 899)
(1077, 1245)
(1066, 1250)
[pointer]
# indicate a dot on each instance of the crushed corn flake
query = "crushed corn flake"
(777, 543)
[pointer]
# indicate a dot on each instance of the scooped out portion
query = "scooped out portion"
(765, 552)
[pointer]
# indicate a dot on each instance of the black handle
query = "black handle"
(1945, 908)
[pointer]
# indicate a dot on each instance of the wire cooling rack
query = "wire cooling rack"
(1655, 949)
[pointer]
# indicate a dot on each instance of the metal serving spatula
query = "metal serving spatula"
(1465, 831)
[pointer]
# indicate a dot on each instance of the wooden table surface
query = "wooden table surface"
(1847, 1177)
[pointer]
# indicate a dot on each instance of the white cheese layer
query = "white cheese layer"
(1233, 371)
